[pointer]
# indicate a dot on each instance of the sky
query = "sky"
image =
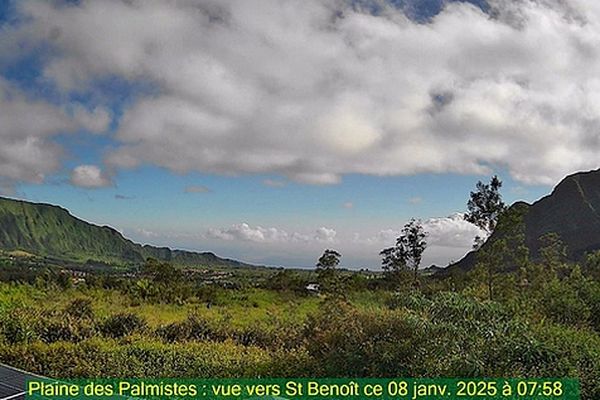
(269, 130)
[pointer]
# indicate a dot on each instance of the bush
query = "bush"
(193, 327)
(56, 327)
(80, 308)
(143, 358)
(122, 324)
(18, 325)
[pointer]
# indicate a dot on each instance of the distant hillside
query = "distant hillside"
(48, 230)
(572, 210)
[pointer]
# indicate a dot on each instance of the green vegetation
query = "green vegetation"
(540, 324)
(51, 232)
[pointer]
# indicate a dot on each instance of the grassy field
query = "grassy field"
(166, 325)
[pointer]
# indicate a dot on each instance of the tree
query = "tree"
(484, 207)
(591, 265)
(326, 268)
(553, 252)
(329, 260)
(161, 272)
(393, 259)
(506, 250)
(408, 251)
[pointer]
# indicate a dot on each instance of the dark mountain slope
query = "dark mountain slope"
(572, 210)
(48, 230)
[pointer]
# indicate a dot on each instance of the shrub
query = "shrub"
(17, 325)
(193, 327)
(80, 308)
(55, 327)
(122, 324)
(142, 358)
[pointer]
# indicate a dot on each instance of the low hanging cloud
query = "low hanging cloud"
(315, 90)
(259, 234)
(451, 231)
(448, 238)
(90, 177)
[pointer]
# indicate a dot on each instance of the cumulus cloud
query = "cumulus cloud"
(451, 231)
(245, 232)
(449, 238)
(26, 152)
(315, 90)
(325, 235)
(90, 177)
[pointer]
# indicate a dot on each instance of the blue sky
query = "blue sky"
(267, 132)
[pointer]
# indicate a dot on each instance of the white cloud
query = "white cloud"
(245, 232)
(259, 234)
(27, 128)
(325, 235)
(452, 231)
(90, 176)
(348, 205)
(26, 153)
(315, 90)
(448, 238)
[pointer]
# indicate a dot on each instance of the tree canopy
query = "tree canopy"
(484, 207)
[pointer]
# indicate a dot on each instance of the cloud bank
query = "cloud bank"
(314, 90)
(449, 238)
(258, 234)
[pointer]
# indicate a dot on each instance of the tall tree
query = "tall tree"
(554, 253)
(506, 250)
(329, 260)
(408, 251)
(326, 269)
(484, 208)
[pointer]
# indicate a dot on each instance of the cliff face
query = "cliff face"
(572, 210)
(48, 230)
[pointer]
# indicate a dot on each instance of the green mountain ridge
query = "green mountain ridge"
(49, 230)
